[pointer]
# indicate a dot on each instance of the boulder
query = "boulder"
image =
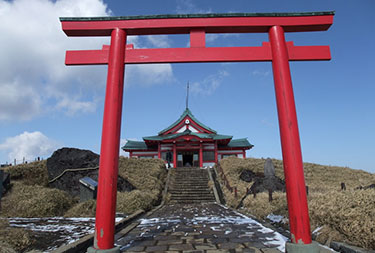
(262, 184)
(247, 176)
(73, 158)
(70, 158)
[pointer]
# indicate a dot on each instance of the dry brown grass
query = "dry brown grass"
(13, 239)
(351, 213)
(83, 209)
(129, 202)
(34, 173)
(147, 175)
(344, 215)
(35, 201)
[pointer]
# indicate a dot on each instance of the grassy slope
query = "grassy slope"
(30, 196)
(344, 215)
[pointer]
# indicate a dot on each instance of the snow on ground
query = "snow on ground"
(56, 231)
(275, 218)
(276, 240)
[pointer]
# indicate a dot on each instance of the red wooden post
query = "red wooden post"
(108, 167)
(200, 156)
(174, 156)
(290, 143)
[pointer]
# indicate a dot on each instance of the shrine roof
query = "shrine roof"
(207, 15)
(185, 133)
(187, 112)
(135, 145)
(239, 143)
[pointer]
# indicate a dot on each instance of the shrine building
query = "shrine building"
(188, 142)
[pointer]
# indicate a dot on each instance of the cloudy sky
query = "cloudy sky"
(45, 105)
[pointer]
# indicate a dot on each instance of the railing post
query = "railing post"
(109, 152)
(290, 142)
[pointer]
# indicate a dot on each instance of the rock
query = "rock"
(72, 158)
(247, 176)
(371, 186)
(269, 169)
(262, 184)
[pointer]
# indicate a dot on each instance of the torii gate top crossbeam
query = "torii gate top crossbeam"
(211, 23)
(198, 25)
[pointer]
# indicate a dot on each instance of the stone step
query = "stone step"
(192, 194)
(183, 188)
(185, 199)
(189, 190)
(187, 181)
(192, 184)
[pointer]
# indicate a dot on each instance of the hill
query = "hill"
(31, 196)
(335, 214)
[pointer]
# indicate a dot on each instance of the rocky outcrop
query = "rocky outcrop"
(67, 165)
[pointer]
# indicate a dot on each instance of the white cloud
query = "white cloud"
(261, 73)
(188, 7)
(32, 53)
(159, 41)
(209, 84)
(122, 143)
(148, 74)
(72, 105)
(17, 102)
(29, 146)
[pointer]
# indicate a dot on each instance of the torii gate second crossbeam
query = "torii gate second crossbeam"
(277, 50)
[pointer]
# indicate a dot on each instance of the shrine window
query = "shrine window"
(208, 156)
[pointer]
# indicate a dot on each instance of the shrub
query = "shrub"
(82, 209)
(35, 201)
(13, 239)
(34, 173)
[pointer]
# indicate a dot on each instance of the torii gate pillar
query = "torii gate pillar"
(277, 50)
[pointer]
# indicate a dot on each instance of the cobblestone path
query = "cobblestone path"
(199, 228)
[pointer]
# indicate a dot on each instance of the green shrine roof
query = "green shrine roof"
(187, 112)
(187, 132)
(135, 145)
(142, 145)
(208, 15)
(237, 143)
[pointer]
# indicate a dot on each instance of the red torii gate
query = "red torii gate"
(277, 50)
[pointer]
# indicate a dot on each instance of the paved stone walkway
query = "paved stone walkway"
(198, 228)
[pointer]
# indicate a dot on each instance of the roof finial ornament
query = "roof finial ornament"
(187, 95)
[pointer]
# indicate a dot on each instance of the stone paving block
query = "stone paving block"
(178, 233)
(162, 248)
(217, 251)
(205, 246)
(169, 242)
(229, 245)
(147, 243)
(239, 240)
(270, 250)
(181, 247)
(217, 240)
(257, 245)
(137, 248)
(166, 237)
(195, 241)
(248, 250)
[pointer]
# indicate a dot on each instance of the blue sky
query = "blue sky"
(45, 105)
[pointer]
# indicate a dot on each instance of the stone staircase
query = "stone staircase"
(190, 185)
